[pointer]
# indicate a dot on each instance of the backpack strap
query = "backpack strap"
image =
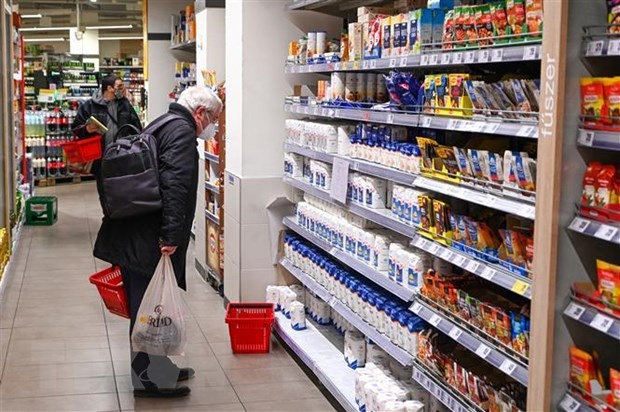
(153, 127)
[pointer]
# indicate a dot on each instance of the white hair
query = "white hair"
(194, 97)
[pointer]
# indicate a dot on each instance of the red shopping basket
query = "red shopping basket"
(249, 325)
(82, 151)
(110, 286)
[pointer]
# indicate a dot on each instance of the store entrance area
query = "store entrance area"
(61, 350)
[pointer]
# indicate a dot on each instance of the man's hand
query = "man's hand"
(168, 250)
(91, 128)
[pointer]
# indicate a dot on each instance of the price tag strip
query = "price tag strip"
(437, 391)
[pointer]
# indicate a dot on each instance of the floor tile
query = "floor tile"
(204, 397)
(57, 387)
(58, 357)
(319, 404)
(57, 371)
(267, 375)
(276, 391)
(51, 332)
(83, 403)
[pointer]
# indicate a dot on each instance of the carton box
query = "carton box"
(356, 44)
(386, 37)
(412, 26)
(441, 4)
(374, 10)
(422, 31)
(438, 25)
(400, 35)
(374, 45)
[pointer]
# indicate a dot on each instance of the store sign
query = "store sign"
(549, 86)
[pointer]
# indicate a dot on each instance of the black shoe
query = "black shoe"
(179, 392)
(185, 374)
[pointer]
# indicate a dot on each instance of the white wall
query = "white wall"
(257, 37)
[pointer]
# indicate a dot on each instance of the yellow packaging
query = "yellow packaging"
(458, 99)
(386, 37)
(442, 95)
(356, 44)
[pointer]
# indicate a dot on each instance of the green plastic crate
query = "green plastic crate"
(41, 210)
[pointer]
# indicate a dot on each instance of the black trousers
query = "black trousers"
(147, 371)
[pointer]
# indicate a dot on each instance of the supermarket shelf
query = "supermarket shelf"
(186, 46)
(212, 217)
(596, 229)
(382, 217)
(377, 277)
(482, 348)
(302, 4)
(438, 390)
(601, 47)
(599, 139)
(212, 158)
(594, 318)
(120, 67)
(520, 207)
(572, 403)
(185, 79)
(493, 273)
(322, 358)
(527, 129)
(374, 335)
(67, 84)
(439, 58)
(212, 188)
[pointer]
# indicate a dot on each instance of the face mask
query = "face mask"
(118, 93)
(208, 132)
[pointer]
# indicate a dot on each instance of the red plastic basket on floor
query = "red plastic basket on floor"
(110, 286)
(85, 150)
(249, 325)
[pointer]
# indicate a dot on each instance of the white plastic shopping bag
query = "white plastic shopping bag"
(160, 324)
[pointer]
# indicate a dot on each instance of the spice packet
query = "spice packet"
(484, 25)
(613, 16)
(605, 186)
(534, 18)
(593, 106)
(614, 385)
(460, 34)
(471, 34)
(588, 191)
(500, 22)
(612, 101)
(449, 28)
(608, 282)
(515, 10)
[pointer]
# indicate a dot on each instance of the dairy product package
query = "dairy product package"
(272, 296)
(356, 45)
(338, 85)
(321, 43)
(344, 141)
(300, 292)
(354, 349)
(381, 252)
(298, 316)
(322, 312)
(376, 190)
(287, 297)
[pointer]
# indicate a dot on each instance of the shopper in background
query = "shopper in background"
(137, 244)
(112, 109)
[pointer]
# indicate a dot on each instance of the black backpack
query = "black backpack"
(129, 172)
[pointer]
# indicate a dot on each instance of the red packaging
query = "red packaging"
(588, 192)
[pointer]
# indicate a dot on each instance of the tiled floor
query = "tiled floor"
(60, 350)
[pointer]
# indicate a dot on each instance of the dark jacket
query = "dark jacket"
(97, 107)
(135, 242)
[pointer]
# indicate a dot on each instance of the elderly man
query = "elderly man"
(136, 244)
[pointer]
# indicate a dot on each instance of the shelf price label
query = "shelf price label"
(424, 59)
(595, 48)
(390, 118)
(520, 287)
(434, 249)
(435, 320)
(483, 351)
(491, 127)
(460, 260)
(483, 56)
(426, 121)
(602, 323)
(529, 52)
(416, 308)
(488, 273)
(455, 333)
(404, 61)
(373, 64)
(434, 59)
(338, 66)
(445, 58)
(579, 225)
(574, 311)
(586, 137)
(508, 366)
(526, 131)
(365, 65)
(497, 55)
(613, 49)
(569, 404)
(392, 62)
(606, 232)
(472, 266)
(457, 58)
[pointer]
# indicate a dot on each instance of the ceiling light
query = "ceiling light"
(32, 16)
(122, 38)
(43, 40)
(46, 28)
(93, 1)
(123, 26)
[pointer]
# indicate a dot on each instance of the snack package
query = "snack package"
(515, 247)
(520, 333)
(386, 37)
(442, 94)
(582, 371)
(588, 191)
(448, 31)
(476, 100)
(613, 15)
(426, 212)
(460, 34)
(471, 34)
(614, 385)
(448, 160)
(534, 18)
(593, 106)
(458, 100)
(608, 282)
(484, 25)
(605, 186)
(525, 168)
(429, 94)
(374, 45)
(515, 10)
(478, 160)
(500, 22)
(463, 162)
(612, 100)
(496, 170)
(523, 104)
(400, 35)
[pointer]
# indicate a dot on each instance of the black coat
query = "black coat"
(135, 242)
(98, 108)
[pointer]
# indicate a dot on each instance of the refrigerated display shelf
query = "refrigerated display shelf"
(594, 318)
(523, 207)
(212, 217)
(212, 157)
(593, 228)
(322, 358)
(429, 59)
(482, 348)
(599, 139)
(212, 188)
(380, 279)
(369, 331)
(491, 272)
(449, 397)
(526, 129)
